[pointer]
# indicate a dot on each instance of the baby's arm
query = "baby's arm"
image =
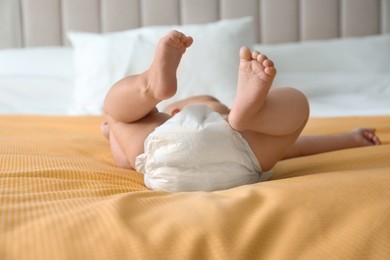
(314, 144)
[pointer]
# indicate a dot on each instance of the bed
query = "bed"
(61, 196)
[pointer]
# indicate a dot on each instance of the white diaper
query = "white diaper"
(197, 150)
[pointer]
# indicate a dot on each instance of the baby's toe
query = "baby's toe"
(268, 63)
(271, 71)
(187, 40)
(245, 54)
(261, 58)
(255, 54)
(377, 141)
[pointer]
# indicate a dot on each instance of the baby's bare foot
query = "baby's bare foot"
(255, 76)
(365, 136)
(162, 73)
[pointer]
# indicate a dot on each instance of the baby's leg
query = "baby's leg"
(314, 144)
(134, 97)
(130, 104)
(127, 139)
(270, 121)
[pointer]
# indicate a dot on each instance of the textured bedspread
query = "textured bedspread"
(61, 197)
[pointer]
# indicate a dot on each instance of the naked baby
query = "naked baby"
(199, 143)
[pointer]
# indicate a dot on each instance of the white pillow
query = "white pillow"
(360, 54)
(209, 66)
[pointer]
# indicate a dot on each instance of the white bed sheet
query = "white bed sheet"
(342, 93)
(35, 95)
(36, 80)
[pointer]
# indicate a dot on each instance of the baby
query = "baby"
(199, 143)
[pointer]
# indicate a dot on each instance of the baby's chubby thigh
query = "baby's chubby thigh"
(131, 136)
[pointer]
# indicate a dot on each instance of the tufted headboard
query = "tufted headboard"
(28, 23)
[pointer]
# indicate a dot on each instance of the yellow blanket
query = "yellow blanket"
(61, 197)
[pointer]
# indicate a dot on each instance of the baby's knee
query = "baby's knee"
(299, 101)
(304, 103)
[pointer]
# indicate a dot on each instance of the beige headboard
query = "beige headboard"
(27, 23)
